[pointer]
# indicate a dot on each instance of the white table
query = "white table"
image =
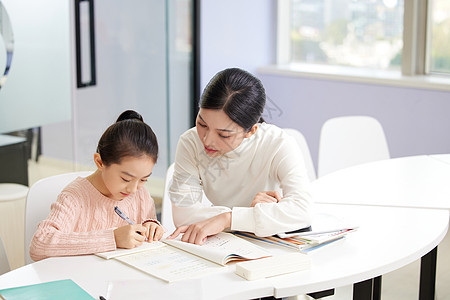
(388, 238)
(441, 157)
(376, 248)
(415, 181)
(95, 274)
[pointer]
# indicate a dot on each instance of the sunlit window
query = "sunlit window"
(440, 36)
(363, 33)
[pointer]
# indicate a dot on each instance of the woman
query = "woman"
(252, 172)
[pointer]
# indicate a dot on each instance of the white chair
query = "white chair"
(12, 230)
(301, 141)
(40, 196)
(166, 206)
(350, 140)
(4, 262)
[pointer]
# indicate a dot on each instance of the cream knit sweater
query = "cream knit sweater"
(269, 160)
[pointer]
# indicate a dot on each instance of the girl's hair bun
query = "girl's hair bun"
(130, 115)
(128, 136)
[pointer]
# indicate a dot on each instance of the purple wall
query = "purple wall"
(415, 121)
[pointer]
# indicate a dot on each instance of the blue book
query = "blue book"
(53, 290)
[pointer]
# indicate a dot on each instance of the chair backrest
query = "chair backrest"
(4, 262)
(350, 140)
(301, 141)
(166, 206)
(40, 196)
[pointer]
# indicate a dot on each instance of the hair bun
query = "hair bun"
(129, 115)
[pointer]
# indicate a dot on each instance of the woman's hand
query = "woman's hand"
(266, 197)
(198, 232)
(130, 236)
(154, 231)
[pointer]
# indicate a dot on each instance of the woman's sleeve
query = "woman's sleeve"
(186, 192)
(55, 235)
(293, 211)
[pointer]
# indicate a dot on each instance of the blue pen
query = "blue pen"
(124, 216)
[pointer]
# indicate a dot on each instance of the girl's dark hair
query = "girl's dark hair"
(239, 94)
(129, 136)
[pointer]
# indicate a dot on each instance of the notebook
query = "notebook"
(54, 290)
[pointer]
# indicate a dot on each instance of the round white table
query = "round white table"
(414, 182)
(441, 157)
(388, 238)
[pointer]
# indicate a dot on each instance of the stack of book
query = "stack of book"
(304, 243)
(324, 230)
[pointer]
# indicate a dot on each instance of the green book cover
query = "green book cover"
(54, 290)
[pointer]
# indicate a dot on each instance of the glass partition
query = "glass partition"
(143, 56)
(35, 63)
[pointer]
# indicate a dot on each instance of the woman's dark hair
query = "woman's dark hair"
(129, 136)
(239, 94)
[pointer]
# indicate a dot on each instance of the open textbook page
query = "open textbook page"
(175, 260)
(170, 264)
(120, 251)
(222, 248)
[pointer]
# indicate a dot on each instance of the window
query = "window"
(374, 34)
(440, 37)
(345, 32)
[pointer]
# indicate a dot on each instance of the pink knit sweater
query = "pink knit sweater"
(82, 221)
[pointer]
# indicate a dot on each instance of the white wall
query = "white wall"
(236, 33)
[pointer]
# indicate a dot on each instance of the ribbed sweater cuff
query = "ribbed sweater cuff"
(242, 219)
(111, 241)
(152, 220)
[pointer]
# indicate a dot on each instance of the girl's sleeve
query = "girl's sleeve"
(55, 235)
(148, 212)
(293, 211)
(186, 192)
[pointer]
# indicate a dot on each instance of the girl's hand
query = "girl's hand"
(154, 231)
(266, 197)
(130, 236)
(198, 232)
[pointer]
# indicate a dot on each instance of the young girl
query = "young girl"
(252, 172)
(83, 220)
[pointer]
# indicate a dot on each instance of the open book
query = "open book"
(222, 248)
(121, 251)
(173, 260)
